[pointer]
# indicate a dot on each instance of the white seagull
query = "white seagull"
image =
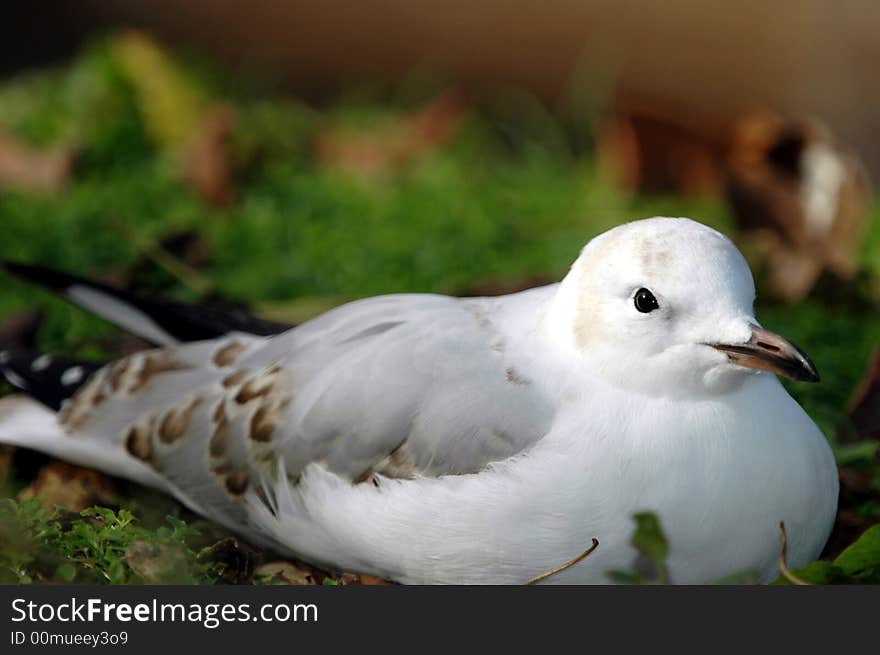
(430, 439)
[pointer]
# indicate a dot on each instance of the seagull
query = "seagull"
(440, 440)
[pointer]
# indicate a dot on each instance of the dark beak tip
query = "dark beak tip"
(768, 351)
(811, 375)
(807, 369)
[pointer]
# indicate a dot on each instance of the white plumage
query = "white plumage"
(430, 439)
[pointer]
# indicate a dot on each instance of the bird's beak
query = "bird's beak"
(767, 351)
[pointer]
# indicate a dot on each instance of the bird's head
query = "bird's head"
(665, 306)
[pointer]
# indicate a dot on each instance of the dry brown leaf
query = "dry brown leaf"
(348, 579)
(156, 563)
(206, 159)
(381, 151)
(25, 168)
(298, 573)
(795, 180)
(639, 149)
(282, 572)
(71, 487)
(6, 453)
(372, 580)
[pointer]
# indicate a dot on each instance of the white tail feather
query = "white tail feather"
(26, 423)
(123, 314)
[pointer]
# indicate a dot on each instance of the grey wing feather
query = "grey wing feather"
(401, 386)
(396, 386)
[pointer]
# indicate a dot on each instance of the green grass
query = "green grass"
(96, 546)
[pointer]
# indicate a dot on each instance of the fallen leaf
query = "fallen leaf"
(283, 572)
(795, 181)
(640, 148)
(206, 158)
(349, 579)
(377, 152)
(372, 580)
(5, 462)
(156, 563)
(70, 487)
(25, 168)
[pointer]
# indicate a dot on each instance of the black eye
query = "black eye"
(645, 301)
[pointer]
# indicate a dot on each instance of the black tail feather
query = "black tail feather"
(159, 320)
(46, 378)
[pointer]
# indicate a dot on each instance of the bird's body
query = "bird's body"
(430, 439)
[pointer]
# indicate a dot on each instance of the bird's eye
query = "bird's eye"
(645, 301)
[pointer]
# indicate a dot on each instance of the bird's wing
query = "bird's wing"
(394, 386)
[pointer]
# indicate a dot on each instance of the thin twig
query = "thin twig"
(150, 247)
(568, 564)
(783, 567)
(183, 272)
